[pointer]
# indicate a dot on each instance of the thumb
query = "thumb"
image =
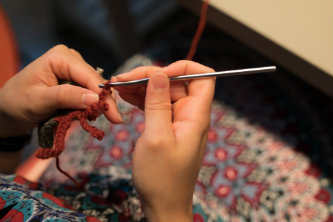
(69, 96)
(158, 114)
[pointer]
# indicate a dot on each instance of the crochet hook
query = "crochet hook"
(235, 72)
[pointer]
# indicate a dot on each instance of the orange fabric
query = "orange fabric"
(9, 59)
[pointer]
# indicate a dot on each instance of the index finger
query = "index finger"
(203, 89)
(137, 73)
(65, 65)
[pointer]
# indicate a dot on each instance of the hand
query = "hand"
(168, 154)
(33, 94)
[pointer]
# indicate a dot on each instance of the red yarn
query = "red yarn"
(65, 122)
(95, 109)
(200, 28)
(65, 173)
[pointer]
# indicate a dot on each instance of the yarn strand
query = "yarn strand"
(199, 31)
(95, 110)
(65, 173)
(64, 122)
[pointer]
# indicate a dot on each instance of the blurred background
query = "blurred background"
(279, 105)
(104, 32)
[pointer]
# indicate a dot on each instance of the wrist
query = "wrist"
(13, 144)
(169, 217)
(10, 127)
(166, 215)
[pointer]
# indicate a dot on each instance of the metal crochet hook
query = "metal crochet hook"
(235, 72)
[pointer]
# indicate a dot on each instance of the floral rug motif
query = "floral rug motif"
(254, 169)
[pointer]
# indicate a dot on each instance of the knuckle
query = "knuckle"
(75, 52)
(210, 69)
(158, 106)
(156, 143)
(182, 61)
(60, 47)
(55, 55)
(63, 92)
(30, 110)
(189, 63)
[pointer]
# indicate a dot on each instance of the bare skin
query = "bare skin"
(168, 154)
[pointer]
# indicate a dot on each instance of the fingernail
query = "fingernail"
(89, 98)
(159, 81)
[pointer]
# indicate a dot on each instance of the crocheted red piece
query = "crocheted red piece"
(95, 109)
(65, 122)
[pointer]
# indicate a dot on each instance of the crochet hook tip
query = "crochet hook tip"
(101, 85)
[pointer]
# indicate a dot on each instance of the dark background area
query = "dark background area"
(107, 33)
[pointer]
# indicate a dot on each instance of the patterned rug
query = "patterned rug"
(265, 158)
(269, 151)
(268, 157)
